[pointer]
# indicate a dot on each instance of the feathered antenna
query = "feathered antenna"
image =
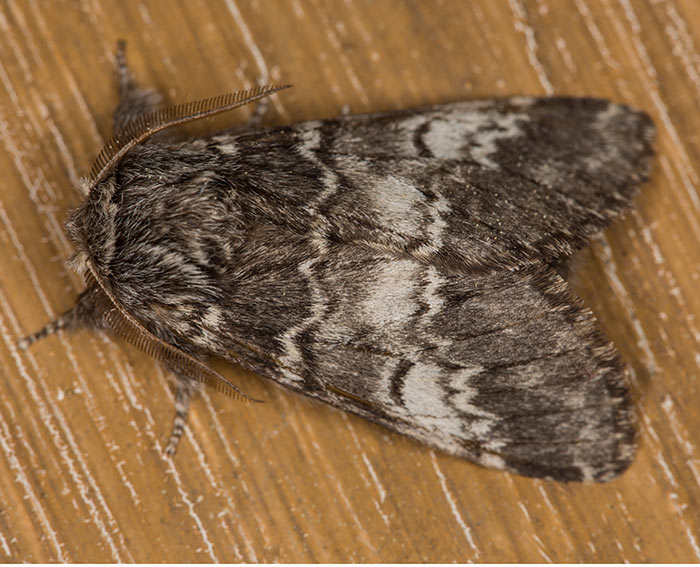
(122, 323)
(118, 319)
(145, 126)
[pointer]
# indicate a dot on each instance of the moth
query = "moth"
(402, 266)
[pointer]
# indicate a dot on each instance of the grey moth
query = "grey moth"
(403, 266)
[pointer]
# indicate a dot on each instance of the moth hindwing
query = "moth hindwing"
(400, 266)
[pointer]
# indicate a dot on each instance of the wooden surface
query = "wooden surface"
(83, 420)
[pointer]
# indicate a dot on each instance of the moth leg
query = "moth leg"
(63, 321)
(133, 100)
(82, 314)
(258, 114)
(260, 109)
(183, 394)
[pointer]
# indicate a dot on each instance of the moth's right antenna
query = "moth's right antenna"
(145, 126)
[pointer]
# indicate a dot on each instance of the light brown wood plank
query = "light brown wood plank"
(83, 420)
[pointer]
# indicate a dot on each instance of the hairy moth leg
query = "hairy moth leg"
(63, 321)
(133, 100)
(82, 314)
(85, 315)
(183, 394)
(255, 120)
(259, 112)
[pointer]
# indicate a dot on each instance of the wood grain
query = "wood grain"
(83, 420)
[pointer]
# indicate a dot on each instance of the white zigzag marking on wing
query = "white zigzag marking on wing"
(472, 133)
(310, 142)
(292, 356)
(435, 230)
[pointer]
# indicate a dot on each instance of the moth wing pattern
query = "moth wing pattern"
(464, 185)
(414, 331)
(395, 265)
(504, 368)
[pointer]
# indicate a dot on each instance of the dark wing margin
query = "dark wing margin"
(463, 186)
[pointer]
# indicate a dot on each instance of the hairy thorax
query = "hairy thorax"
(162, 239)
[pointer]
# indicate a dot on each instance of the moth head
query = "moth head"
(91, 228)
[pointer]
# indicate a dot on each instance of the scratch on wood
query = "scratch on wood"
(363, 535)
(218, 487)
(249, 41)
(639, 45)
(121, 379)
(310, 439)
(360, 25)
(604, 250)
(221, 487)
(523, 27)
(164, 56)
(659, 458)
(260, 526)
(190, 505)
(219, 491)
(46, 38)
(255, 52)
(5, 547)
(597, 36)
(91, 403)
(680, 509)
(650, 77)
(221, 434)
(8, 86)
(453, 505)
(10, 38)
(623, 506)
(564, 533)
(59, 143)
(343, 58)
(693, 541)
(671, 281)
(374, 479)
(540, 545)
(368, 465)
(540, 549)
(21, 478)
(298, 9)
(695, 469)
(682, 42)
(672, 182)
(127, 483)
(566, 55)
(96, 517)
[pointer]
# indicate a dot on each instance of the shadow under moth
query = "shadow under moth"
(402, 266)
